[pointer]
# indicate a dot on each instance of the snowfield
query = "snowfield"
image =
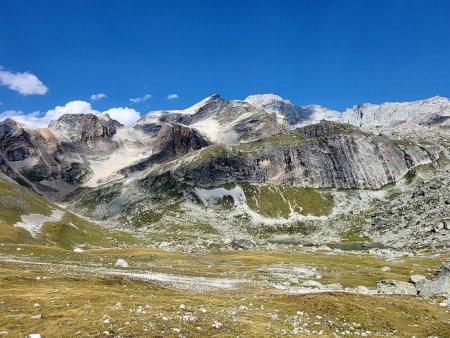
(34, 222)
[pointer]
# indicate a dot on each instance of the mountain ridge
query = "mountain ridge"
(240, 154)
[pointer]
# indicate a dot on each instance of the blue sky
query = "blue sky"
(334, 53)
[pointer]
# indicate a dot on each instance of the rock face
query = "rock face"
(430, 111)
(14, 141)
(173, 141)
(31, 156)
(254, 143)
(86, 132)
(223, 121)
(295, 116)
(233, 121)
(177, 140)
(325, 155)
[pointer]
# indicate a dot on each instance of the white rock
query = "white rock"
(120, 262)
(78, 250)
(34, 335)
(392, 113)
(216, 324)
(361, 289)
(312, 283)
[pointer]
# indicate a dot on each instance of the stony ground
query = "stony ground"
(139, 292)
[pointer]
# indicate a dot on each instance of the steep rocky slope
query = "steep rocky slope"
(233, 121)
(223, 167)
(324, 155)
(86, 133)
(26, 217)
(431, 111)
(294, 116)
(223, 121)
(172, 142)
(31, 156)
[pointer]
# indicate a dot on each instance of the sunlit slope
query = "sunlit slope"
(26, 217)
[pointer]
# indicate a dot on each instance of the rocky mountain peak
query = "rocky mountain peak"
(177, 140)
(9, 126)
(273, 103)
(83, 127)
(429, 111)
(267, 101)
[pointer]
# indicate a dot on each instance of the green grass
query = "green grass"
(145, 217)
(207, 154)
(402, 142)
(69, 232)
(276, 201)
(281, 139)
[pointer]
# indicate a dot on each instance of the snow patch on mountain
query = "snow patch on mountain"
(215, 131)
(294, 116)
(34, 222)
(211, 197)
(106, 170)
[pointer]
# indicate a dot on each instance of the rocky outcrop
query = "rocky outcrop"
(234, 121)
(177, 140)
(325, 155)
(30, 156)
(294, 116)
(437, 285)
(395, 287)
(173, 141)
(85, 133)
(430, 111)
(419, 216)
(14, 141)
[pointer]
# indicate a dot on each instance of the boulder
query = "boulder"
(243, 244)
(312, 283)
(121, 263)
(439, 285)
(389, 286)
(417, 280)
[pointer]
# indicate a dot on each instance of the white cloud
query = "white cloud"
(24, 83)
(32, 119)
(126, 116)
(172, 97)
(95, 97)
(140, 99)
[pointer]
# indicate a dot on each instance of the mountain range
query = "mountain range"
(258, 162)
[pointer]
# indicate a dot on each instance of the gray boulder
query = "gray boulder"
(418, 280)
(243, 244)
(389, 286)
(439, 285)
